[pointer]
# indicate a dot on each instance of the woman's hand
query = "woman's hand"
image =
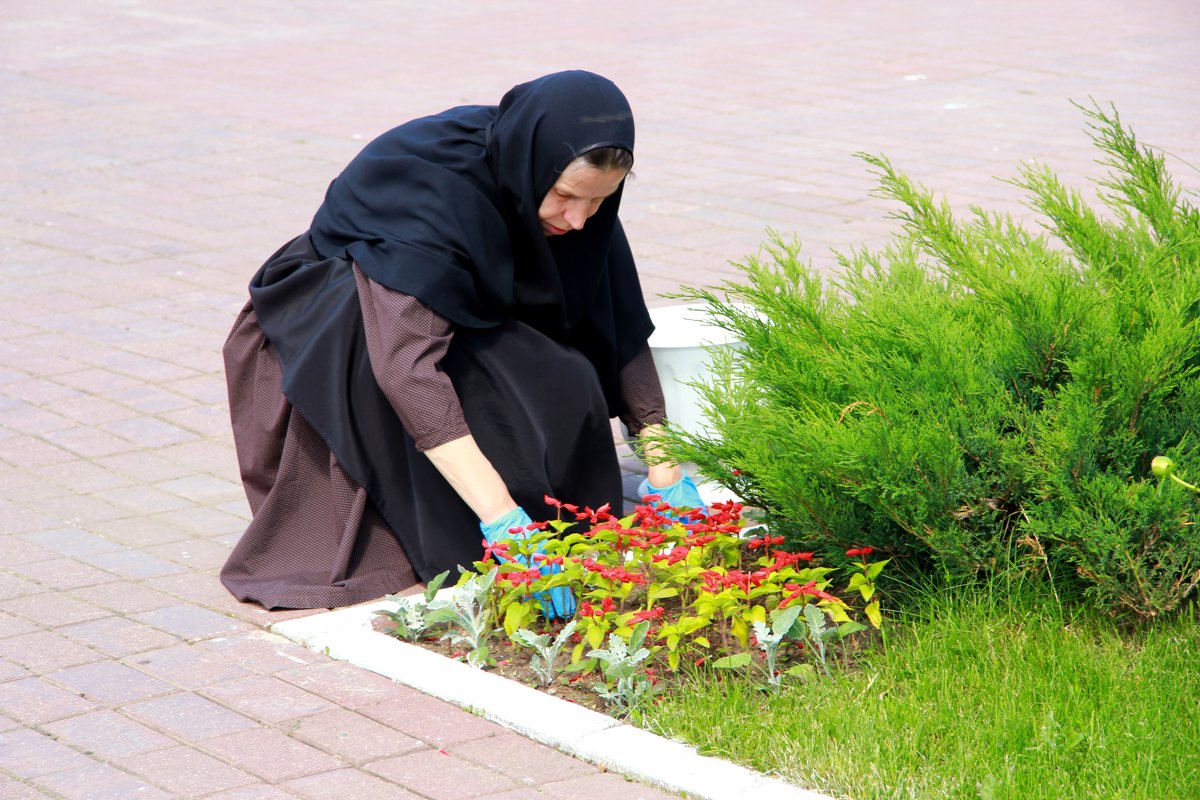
(662, 471)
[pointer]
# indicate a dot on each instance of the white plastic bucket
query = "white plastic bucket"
(681, 345)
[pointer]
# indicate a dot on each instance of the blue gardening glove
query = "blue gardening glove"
(680, 494)
(557, 602)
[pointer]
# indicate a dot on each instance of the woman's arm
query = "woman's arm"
(467, 469)
(661, 470)
(642, 394)
(406, 341)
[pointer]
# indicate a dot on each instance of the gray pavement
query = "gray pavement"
(153, 153)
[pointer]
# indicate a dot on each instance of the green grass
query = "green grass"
(975, 696)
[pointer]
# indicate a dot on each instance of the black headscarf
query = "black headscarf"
(445, 208)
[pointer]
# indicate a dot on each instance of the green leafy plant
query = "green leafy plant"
(975, 396)
(670, 583)
(625, 686)
(411, 619)
(468, 615)
(543, 662)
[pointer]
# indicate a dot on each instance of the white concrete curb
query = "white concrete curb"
(346, 634)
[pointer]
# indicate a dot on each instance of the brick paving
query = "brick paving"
(154, 153)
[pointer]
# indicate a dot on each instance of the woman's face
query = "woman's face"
(575, 196)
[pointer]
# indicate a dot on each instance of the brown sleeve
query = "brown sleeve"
(406, 342)
(642, 393)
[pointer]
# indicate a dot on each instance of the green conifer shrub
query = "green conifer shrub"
(975, 392)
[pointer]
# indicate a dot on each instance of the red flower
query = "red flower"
(550, 501)
(809, 588)
(677, 554)
(499, 550)
(522, 576)
(548, 560)
(650, 613)
(608, 604)
(860, 551)
(765, 541)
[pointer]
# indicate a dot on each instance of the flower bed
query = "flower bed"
(646, 595)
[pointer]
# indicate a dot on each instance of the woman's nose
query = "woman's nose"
(575, 215)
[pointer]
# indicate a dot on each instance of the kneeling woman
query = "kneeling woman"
(443, 348)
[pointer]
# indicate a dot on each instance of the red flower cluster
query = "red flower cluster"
(764, 541)
(522, 576)
(677, 554)
(860, 551)
(733, 579)
(607, 605)
(613, 573)
(809, 589)
(650, 613)
(499, 550)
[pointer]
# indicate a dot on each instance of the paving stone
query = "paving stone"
(187, 666)
(46, 651)
(20, 551)
(270, 754)
(431, 720)
(257, 792)
(72, 542)
(28, 754)
(196, 554)
(11, 625)
(13, 790)
(36, 701)
(263, 652)
(111, 683)
(437, 775)
(140, 531)
(515, 794)
(267, 699)
(342, 683)
(189, 716)
(108, 735)
(63, 573)
(99, 782)
(353, 737)
(10, 671)
(602, 784)
(118, 637)
(133, 564)
(190, 623)
(16, 586)
(185, 772)
(144, 499)
(124, 597)
(196, 588)
(202, 520)
(347, 783)
(53, 609)
(525, 762)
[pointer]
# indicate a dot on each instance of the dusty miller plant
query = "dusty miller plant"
(411, 618)
(626, 686)
(545, 650)
(469, 615)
